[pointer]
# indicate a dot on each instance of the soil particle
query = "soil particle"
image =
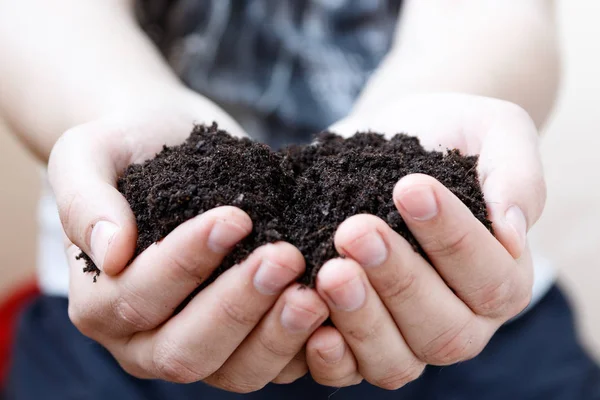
(299, 194)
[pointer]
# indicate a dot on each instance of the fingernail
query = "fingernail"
(102, 234)
(350, 296)
(332, 355)
(271, 278)
(298, 320)
(369, 250)
(419, 202)
(224, 235)
(515, 218)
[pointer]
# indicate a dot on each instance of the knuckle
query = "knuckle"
(130, 315)
(398, 377)
(182, 266)
(455, 245)
(83, 319)
(453, 345)
(226, 382)
(278, 347)
(171, 366)
(237, 315)
(366, 332)
(493, 299)
(399, 287)
(521, 302)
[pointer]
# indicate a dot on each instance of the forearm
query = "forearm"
(65, 62)
(501, 49)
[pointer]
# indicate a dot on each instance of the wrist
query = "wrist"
(176, 100)
(205, 111)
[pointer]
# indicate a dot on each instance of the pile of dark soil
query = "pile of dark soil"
(299, 194)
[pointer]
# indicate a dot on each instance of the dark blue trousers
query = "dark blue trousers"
(538, 356)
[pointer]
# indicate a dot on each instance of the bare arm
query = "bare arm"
(500, 49)
(66, 62)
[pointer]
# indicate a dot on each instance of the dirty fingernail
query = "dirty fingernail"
(271, 278)
(224, 235)
(298, 320)
(516, 219)
(369, 250)
(419, 202)
(350, 296)
(102, 235)
(332, 355)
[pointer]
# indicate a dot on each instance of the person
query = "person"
(92, 86)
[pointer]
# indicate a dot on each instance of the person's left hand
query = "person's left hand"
(393, 311)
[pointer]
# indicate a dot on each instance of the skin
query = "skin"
(105, 99)
(444, 312)
(252, 319)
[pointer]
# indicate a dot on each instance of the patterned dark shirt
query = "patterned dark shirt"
(285, 69)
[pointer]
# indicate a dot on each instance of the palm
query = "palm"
(502, 134)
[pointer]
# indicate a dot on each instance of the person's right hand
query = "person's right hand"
(240, 333)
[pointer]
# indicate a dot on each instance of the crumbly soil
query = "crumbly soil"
(299, 194)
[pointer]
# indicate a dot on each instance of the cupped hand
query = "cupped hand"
(240, 333)
(393, 311)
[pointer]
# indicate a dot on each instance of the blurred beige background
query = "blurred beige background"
(19, 181)
(569, 233)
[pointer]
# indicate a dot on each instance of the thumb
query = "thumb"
(83, 169)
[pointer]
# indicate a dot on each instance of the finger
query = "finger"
(512, 177)
(384, 359)
(296, 369)
(471, 261)
(439, 328)
(330, 360)
(83, 170)
(162, 277)
(196, 342)
(501, 133)
(274, 343)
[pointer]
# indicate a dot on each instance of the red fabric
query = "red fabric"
(9, 312)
